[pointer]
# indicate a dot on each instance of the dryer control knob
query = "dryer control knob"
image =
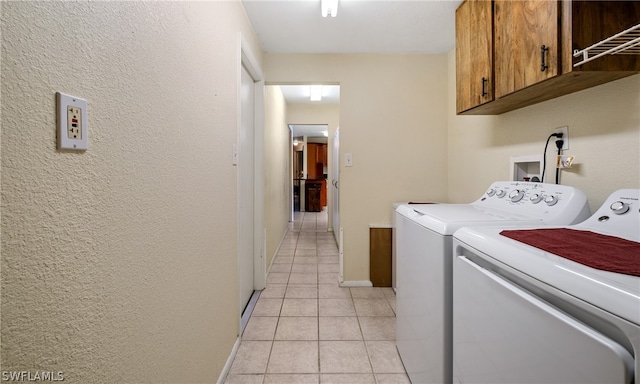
(501, 193)
(516, 195)
(536, 198)
(491, 192)
(551, 200)
(619, 207)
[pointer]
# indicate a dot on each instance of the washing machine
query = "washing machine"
(555, 304)
(424, 262)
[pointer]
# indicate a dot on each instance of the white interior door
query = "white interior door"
(246, 169)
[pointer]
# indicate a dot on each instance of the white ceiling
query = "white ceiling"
(361, 26)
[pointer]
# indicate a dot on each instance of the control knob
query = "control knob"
(619, 207)
(491, 192)
(536, 198)
(516, 195)
(551, 200)
(501, 193)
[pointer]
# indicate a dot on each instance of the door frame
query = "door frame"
(247, 59)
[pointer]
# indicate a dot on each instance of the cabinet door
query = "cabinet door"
(474, 54)
(522, 29)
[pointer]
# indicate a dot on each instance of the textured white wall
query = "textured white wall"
(277, 169)
(393, 120)
(119, 264)
(604, 138)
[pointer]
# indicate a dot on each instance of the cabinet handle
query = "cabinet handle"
(543, 53)
(484, 89)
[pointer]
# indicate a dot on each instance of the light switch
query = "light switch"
(72, 122)
(348, 160)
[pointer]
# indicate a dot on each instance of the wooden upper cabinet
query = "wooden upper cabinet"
(526, 43)
(532, 44)
(474, 54)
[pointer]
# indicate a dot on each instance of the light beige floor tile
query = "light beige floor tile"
(252, 357)
(328, 259)
(372, 307)
(297, 328)
(280, 268)
(305, 259)
(278, 278)
(260, 328)
(384, 357)
(300, 307)
(301, 291)
(367, 293)
(291, 379)
(339, 328)
(328, 252)
(332, 291)
(392, 378)
(303, 278)
(378, 327)
(291, 244)
(293, 357)
(306, 252)
(336, 307)
(267, 307)
(306, 245)
(325, 268)
(305, 268)
(344, 357)
(328, 278)
(284, 258)
(346, 378)
(244, 379)
(274, 291)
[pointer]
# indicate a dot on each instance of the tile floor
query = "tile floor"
(307, 329)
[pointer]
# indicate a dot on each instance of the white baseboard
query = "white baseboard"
(356, 283)
(227, 365)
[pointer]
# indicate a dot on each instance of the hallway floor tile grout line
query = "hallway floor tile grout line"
(306, 329)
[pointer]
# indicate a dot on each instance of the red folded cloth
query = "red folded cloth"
(595, 250)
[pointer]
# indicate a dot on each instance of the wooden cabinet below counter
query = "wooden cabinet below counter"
(532, 47)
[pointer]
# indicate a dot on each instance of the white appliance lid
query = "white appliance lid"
(445, 219)
(615, 293)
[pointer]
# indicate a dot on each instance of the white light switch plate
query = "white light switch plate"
(72, 122)
(348, 160)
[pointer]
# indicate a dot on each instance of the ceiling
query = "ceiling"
(361, 26)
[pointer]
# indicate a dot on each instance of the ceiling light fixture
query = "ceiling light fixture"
(315, 92)
(329, 7)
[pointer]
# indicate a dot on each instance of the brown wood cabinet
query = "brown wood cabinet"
(533, 43)
(474, 54)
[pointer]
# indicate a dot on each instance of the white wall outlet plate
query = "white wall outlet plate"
(72, 122)
(565, 136)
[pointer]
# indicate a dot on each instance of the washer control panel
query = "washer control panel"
(549, 202)
(618, 216)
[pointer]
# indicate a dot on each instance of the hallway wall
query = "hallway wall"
(604, 138)
(393, 119)
(119, 264)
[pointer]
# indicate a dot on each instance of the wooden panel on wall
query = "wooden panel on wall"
(380, 256)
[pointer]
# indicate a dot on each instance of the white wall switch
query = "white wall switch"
(348, 160)
(72, 122)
